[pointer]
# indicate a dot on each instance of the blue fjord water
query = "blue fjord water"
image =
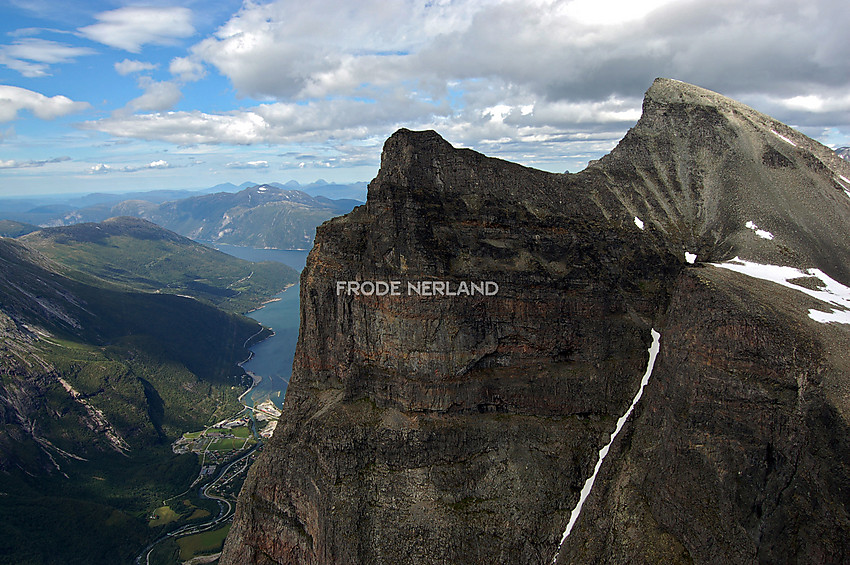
(272, 359)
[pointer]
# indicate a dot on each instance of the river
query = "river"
(272, 359)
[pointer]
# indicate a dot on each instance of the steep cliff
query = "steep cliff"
(461, 429)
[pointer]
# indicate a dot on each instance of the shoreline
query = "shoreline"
(257, 380)
(270, 300)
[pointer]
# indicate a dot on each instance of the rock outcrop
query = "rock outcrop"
(461, 429)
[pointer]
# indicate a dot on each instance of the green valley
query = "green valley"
(105, 360)
(144, 256)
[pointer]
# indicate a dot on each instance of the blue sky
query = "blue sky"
(117, 96)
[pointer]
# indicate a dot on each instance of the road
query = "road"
(225, 509)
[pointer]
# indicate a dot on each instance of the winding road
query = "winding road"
(225, 510)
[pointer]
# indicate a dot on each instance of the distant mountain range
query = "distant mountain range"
(262, 216)
(265, 216)
(844, 153)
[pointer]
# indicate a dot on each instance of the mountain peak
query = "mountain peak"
(672, 90)
(478, 405)
(706, 167)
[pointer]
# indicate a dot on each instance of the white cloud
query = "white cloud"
(546, 82)
(130, 66)
(158, 96)
(248, 165)
(101, 168)
(32, 57)
(610, 12)
(13, 164)
(272, 123)
(14, 99)
(132, 27)
(187, 69)
(578, 50)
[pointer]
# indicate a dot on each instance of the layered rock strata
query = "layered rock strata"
(438, 429)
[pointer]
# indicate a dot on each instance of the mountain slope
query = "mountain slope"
(259, 216)
(56, 322)
(9, 228)
(734, 166)
(138, 253)
(463, 429)
(95, 381)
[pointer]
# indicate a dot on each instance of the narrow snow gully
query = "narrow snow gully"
(588, 484)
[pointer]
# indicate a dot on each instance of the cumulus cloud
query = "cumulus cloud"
(100, 168)
(14, 99)
(280, 122)
(284, 48)
(187, 69)
(130, 66)
(558, 50)
(548, 81)
(132, 27)
(158, 96)
(32, 56)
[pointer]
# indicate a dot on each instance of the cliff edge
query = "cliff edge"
(460, 427)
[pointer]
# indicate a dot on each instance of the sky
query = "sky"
(113, 96)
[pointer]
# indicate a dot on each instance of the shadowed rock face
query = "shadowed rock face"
(461, 429)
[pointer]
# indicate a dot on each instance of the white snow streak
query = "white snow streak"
(844, 186)
(764, 234)
(638, 222)
(783, 138)
(588, 484)
(833, 292)
(690, 257)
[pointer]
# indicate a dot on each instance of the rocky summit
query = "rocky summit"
(537, 423)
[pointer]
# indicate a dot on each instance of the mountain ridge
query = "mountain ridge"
(437, 429)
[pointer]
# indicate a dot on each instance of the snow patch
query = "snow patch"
(764, 234)
(783, 138)
(588, 484)
(830, 291)
(638, 222)
(690, 257)
(845, 185)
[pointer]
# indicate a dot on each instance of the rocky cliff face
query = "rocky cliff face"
(461, 429)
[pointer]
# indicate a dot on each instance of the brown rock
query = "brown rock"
(461, 429)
